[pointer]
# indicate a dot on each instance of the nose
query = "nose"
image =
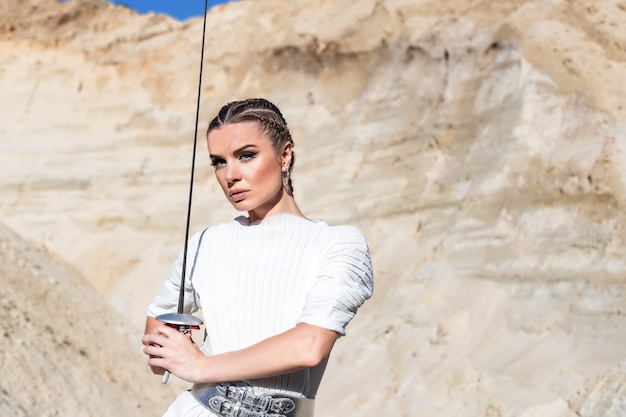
(232, 174)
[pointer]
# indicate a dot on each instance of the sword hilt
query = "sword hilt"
(184, 323)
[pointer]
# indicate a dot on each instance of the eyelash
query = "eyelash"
(218, 163)
(247, 156)
(244, 157)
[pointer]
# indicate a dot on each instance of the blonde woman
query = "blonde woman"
(276, 289)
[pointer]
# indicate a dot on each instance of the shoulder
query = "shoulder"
(347, 231)
(210, 231)
(345, 234)
(346, 243)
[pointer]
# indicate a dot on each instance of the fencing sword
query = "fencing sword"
(185, 323)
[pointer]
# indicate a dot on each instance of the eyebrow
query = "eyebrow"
(237, 151)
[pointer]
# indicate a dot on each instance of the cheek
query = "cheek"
(268, 172)
(219, 176)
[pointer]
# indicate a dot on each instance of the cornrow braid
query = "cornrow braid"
(269, 117)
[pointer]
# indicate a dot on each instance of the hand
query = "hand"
(155, 369)
(170, 349)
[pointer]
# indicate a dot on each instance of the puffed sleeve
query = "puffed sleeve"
(344, 282)
(167, 301)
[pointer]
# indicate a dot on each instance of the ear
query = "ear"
(286, 156)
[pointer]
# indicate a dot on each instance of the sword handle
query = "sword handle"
(166, 377)
(185, 323)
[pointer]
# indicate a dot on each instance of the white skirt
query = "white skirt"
(187, 406)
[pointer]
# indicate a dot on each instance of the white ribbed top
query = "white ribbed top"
(253, 281)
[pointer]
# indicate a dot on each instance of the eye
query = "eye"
(247, 156)
(218, 163)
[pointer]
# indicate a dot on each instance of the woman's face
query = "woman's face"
(248, 168)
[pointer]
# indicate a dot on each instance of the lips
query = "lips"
(238, 195)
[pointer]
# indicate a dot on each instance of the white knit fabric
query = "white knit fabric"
(255, 281)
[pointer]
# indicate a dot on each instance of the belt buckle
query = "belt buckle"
(239, 401)
(282, 405)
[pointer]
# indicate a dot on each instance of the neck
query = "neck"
(287, 204)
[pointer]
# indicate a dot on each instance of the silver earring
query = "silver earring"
(286, 178)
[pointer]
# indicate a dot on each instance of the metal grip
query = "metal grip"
(185, 324)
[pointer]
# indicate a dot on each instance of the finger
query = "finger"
(171, 336)
(166, 330)
(156, 363)
(159, 339)
(149, 340)
(154, 351)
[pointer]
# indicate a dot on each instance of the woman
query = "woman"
(276, 289)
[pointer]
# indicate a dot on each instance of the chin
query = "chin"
(242, 206)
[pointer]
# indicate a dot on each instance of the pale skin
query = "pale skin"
(249, 170)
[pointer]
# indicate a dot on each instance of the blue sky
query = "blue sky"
(180, 9)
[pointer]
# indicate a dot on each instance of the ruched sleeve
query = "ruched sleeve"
(167, 301)
(344, 282)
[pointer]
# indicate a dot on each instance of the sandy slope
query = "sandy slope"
(65, 351)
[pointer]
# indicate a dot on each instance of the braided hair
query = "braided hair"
(269, 117)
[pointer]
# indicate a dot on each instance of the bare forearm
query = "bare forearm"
(301, 347)
(151, 325)
(296, 349)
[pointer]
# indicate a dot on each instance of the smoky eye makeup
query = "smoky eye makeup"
(247, 156)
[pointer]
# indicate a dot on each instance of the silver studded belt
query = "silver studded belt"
(237, 399)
